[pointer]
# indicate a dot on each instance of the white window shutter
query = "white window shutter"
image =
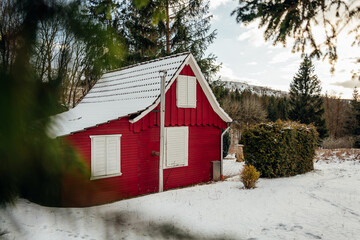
(105, 156)
(113, 155)
(176, 146)
(181, 91)
(191, 92)
(98, 163)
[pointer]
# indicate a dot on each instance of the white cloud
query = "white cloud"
(244, 36)
(287, 77)
(249, 81)
(338, 91)
(252, 34)
(257, 72)
(226, 71)
(216, 3)
(227, 74)
(291, 67)
(348, 84)
(252, 63)
(284, 57)
(255, 36)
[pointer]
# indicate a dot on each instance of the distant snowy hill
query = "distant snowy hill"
(259, 90)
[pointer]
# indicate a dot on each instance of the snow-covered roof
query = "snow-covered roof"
(124, 92)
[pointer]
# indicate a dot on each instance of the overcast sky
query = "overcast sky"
(245, 56)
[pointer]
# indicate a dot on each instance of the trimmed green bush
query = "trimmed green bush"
(280, 149)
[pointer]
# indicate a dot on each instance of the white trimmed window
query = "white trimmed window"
(186, 92)
(105, 156)
(176, 147)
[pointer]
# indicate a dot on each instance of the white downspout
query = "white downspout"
(221, 153)
(163, 74)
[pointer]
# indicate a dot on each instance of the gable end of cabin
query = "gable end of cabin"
(199, 113)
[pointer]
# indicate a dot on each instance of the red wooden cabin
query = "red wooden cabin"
(115, 128)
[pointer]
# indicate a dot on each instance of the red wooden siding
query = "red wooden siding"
(148, 168)
(204, 147)
(202, 115)
(139, 168)
(89, 192)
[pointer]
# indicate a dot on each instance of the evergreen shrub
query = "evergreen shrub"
(249, 176)
(226, 144)
(357, 142)
(280, 149)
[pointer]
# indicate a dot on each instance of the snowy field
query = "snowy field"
(322, 204)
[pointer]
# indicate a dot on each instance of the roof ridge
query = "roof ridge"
(147, 62)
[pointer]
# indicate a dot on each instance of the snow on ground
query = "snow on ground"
(231, 167)
(322, 204)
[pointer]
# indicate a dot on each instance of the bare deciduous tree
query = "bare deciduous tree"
(60, 55)
(336, 112)
(245, 112)
(10, 21)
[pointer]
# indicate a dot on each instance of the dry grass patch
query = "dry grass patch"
(342, 154)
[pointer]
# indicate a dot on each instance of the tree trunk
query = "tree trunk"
(167, 28)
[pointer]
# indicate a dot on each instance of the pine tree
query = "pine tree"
(283, 108)
(356, 109)
(141, 35)
(306, 103)
(165, 27)
(353, 121)
(272, 109)
(103, 10)
(190, 31)
(220, 91)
